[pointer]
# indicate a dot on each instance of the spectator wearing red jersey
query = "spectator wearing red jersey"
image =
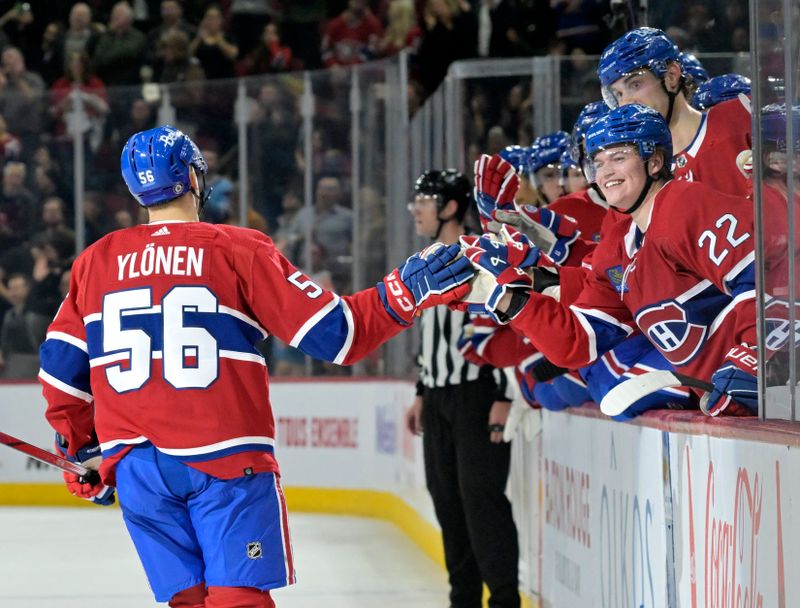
(79, 80)
(269, 56)
(351, 37)
(402, 31)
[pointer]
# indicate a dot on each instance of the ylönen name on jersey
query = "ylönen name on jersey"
(179, 260)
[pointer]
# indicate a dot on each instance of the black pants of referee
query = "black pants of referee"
(466, 476)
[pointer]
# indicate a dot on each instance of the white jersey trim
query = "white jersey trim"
(216, 447)
(699, 137)
(315, 318)
(750, 258)
(348, 342)
(69, 339)
(692, 292)
(587, 327)
(64, 387)
(109, 445)
(720, 318)
(243, 317)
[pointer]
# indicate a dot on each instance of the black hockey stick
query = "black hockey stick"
(85, 475)
(625, 394)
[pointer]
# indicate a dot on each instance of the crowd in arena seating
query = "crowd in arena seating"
(108, 58)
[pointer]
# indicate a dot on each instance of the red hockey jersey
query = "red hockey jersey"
(687, 282)
(156, 341)
(720, 149)
(588, 209)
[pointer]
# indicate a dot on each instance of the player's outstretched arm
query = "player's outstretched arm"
(436, 275)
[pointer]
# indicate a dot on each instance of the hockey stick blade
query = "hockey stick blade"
(625, 394)
(37, 453)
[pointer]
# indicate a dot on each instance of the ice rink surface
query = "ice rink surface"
(342, 562)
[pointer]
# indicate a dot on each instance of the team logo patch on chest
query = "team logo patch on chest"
(667, 327)
(616, 274)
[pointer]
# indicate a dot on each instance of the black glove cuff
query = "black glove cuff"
(518, 301)
(544, 278)
(544, 371)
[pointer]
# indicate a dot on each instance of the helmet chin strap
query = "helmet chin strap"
(672, 97)
(596, 188)
(202, 196)
(442, 222)
(648, 183)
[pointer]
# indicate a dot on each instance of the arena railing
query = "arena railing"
(276, 137)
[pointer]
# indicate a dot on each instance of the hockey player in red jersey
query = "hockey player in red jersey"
(687, 275)
(151, 362)
(644, 66)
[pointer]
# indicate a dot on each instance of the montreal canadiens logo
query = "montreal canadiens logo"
(666, 326)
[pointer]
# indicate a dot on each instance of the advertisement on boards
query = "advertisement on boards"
(605, 532)
(737, 541)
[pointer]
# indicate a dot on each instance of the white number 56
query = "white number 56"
(146, 177)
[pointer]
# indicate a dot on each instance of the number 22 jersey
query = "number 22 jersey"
(687, 283)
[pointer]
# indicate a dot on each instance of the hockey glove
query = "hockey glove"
(735, 385)
(496, 184)
(502, 264)
(551, 232)
(435, 275)
(90, 488)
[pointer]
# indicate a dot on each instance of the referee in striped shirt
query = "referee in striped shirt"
(462, 409)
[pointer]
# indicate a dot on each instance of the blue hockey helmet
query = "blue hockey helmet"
(692, 69)
(773, 126)
(566, 161)
(719, 89)
(517, 156)
(644, 47)
(155, 164)
(630, 124)
(589, 114)
(547, 150)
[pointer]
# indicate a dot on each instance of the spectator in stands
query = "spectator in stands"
(276, 128)
(269, 56)
(21, 98)
(21, 333)
(52, 255)
(120, 51)
(77, 82)
(332, 228)
(218, 208)
(402, 31)
(139, 117)
(499, 25)
(10, 146)
(579, 24)
(81, 35)
(248, 18)
(178, 66)
(48, 61)
(45, 184)
(20, 28)
(122, 219)
(171, 20)
(53, 220)
(450, 34)
(352, 36)
(285, 237)
(215, 52)
(94, 215)
(300, 28)
(16, 201)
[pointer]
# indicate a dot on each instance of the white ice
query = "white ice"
(342, 562)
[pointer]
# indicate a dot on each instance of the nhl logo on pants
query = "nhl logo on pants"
(254, 550)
